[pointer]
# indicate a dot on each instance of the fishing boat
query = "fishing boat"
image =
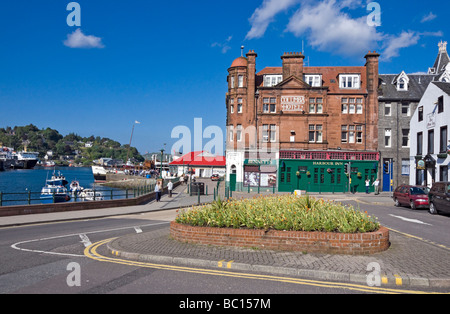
(55, 190)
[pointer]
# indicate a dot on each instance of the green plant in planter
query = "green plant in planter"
(287, 212)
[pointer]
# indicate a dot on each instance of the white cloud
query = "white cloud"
(428, 17)
(224, 46)
(393, 44)
(328, 25)
(265, 14)
(328, 28)
(79, 40)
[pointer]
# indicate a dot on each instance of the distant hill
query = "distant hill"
(83, 149)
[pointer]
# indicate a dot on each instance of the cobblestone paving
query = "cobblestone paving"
(407, 257)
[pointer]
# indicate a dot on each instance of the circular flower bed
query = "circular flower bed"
(289, 213)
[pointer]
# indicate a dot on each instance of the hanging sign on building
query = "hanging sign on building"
(292, 103)
(421, 165)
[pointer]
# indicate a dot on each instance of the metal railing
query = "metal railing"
(29, 197)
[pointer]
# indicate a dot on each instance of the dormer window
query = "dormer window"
(313, 80)
(349, 81)
(272, 80)
(402, 82)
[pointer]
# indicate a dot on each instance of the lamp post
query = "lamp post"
(160, 164)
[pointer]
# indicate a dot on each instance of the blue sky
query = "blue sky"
(164, 63)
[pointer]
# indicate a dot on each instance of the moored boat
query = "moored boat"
(75, 188)
(55, 190)
(91, 195)
(99, 174)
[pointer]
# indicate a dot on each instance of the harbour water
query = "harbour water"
(23, 181)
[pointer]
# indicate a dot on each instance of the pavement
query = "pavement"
(409, 262)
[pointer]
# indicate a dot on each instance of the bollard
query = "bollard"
(214, 194)
(198, 194)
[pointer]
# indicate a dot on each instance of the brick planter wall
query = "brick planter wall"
(311, 242)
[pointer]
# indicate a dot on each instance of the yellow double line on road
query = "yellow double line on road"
(91, 252)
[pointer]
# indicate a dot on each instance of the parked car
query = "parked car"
(411, 195)
(440, 198)
(215, 177)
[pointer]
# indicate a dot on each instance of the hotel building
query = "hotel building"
(297, 127)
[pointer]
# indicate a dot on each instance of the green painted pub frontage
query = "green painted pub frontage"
(327, 171)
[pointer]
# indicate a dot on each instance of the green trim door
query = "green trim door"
(233, 182)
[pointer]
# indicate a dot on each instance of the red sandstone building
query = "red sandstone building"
(296, 127)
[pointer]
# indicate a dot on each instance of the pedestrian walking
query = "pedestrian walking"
(170, 188)
(367, 186)
(182, 180)
(158, 192)
(376, 184)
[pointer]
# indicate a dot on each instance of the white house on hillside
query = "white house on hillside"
(429, 136)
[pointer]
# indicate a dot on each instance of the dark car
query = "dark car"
(215, 177)
(440, 198)
(411, 195)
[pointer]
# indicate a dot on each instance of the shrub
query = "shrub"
(290, 213)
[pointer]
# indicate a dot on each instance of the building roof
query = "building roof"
(270, 70)
(445, 87)
(417, 85)
(442, 60)
(198, 159)
(239, 62)
(330, 77)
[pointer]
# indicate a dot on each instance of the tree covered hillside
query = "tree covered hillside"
(82, 149)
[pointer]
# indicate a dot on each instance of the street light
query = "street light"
(160, 165)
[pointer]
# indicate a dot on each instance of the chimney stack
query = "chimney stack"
(292, 64)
